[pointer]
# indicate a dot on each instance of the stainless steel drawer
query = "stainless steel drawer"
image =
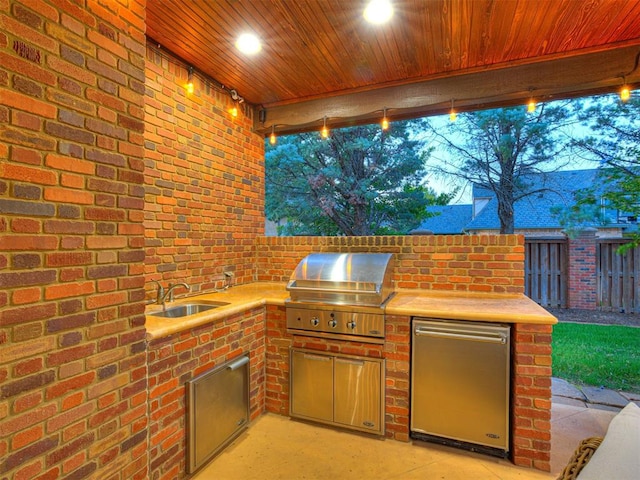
(357, 401)
(218, 410)
(312, 386)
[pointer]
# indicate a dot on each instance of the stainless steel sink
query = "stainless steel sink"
(186, 309)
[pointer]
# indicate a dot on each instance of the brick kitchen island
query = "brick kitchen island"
(254, 322)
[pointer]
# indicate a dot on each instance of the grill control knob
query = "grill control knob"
(314, 321)
(351, 324)
(333, 323)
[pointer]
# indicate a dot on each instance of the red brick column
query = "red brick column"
(582, 270)
(278, 342)
(531, 396)
(397, 352)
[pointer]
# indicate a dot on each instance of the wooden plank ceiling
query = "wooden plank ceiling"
(321, 58)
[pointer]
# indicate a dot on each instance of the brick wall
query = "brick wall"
(204, 181)
(492, 263)
(73, 397)
(178, 358)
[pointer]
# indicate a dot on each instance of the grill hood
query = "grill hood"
(363, 279)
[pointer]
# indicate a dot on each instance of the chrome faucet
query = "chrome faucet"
(162, 294)
(159, 294)
(169, 292)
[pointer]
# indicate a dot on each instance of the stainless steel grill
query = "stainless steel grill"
(340, 295)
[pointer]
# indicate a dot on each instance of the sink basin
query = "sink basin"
(187, 309)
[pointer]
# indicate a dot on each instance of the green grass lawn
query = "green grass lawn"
(597, 355)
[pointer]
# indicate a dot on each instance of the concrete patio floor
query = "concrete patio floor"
(278, 448)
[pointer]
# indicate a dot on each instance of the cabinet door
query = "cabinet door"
(357, 393)
(312, 386)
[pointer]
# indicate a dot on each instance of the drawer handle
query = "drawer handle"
(319, 358)
(350, 362)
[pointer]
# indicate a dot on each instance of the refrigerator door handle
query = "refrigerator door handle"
(238, 363)
(487, 338)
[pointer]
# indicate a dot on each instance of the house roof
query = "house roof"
(556, 189)
(447, 219)
(535, 211)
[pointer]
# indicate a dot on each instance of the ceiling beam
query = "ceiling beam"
(583, 74)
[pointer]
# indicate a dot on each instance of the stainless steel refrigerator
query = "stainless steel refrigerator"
(460, 384)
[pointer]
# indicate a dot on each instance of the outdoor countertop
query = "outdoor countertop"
(421, 303)
(469, 306)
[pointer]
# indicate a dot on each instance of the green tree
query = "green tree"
(359, 181)
(615, 143)
(497, 149)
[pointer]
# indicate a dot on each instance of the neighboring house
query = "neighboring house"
(447, 219)
(534, 215)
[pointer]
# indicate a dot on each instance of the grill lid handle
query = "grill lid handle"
(293, 285)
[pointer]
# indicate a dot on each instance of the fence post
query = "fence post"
(582, 270)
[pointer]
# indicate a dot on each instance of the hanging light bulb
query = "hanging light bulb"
(385, 121)
(625, 92)
(325, 131)
(531, 106)
(190, 86)
(272, 137)
(234, 110)
(452, 114)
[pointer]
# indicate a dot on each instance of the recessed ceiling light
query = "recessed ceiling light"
(378, 11)
(248, 43)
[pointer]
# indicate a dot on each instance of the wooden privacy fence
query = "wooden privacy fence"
(545, 271)
(618, 276)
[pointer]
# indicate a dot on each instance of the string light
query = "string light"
(452, 114)
(625, 92)
(385, 121)
(204, 79)
(190, 86)
(531, 106)
(325, 131)
(272, 137)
